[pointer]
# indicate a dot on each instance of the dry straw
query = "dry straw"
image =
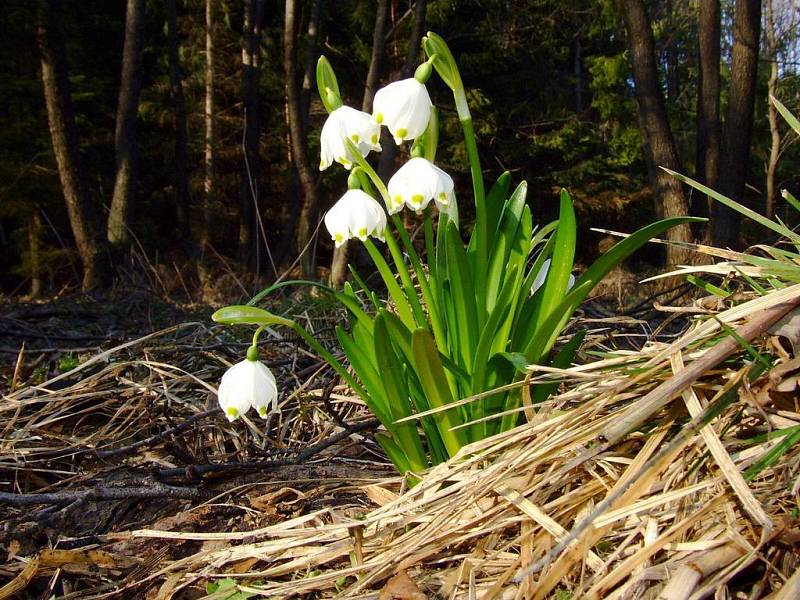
(582, 501)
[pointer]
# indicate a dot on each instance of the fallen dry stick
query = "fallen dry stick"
(640, 411)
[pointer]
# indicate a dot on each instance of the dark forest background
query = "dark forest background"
(176, 141)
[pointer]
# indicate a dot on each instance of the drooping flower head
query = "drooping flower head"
(347, 123)
(247, 384)
(418, 182)
(404, 107)
(356, 214)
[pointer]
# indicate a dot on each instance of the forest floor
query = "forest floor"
(119, 476)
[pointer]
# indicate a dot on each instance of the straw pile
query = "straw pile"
(662, 473)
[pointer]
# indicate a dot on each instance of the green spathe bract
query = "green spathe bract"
(465, 324)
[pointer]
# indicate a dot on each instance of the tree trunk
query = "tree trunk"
(772, 113)
(209, 141)
(341, 254)
(64, 133)
(311, 63)
(34, 250)
(125, 134)
(306, 222)
(389, 148)
(249, 196)
(656, 132)
(182, 198)
(739, 124)
(708, 89)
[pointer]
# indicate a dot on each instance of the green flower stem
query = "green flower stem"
(404, 310)
(257, 334)
(430, 255)
(482, 252)
(405, 277)
(424, 285)
(320, 349)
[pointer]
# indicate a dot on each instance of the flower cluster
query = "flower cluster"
(404, 108)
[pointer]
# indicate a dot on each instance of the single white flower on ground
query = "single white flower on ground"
(247, 384)
(347, 123)
(356, 214)
(542, 275)
(418, 182)
(404, 107)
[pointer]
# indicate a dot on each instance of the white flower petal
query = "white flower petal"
(418, 182)
(356, 214)
(404, 107)
(347, 123)
(541, 276)
(247, 384)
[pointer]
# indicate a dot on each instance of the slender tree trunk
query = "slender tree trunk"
(708, 89)
(311, 62)
(671, 54)
(772, 113)
(182, 198)
(34, 249)
(659, 143)
(64, 133)
(309, 209)
(209, 140)
(341, 254)
(389, 148)
(249, 196)
(739, 124)
(125, 135)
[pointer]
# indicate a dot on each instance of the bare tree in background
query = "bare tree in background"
(739, 122)
(310, 204)
(209, 139)
(781, 23)
(182, 198)
(708, 90)
(125, 135)
(311, 62)
(659, 144)
(249, 196)
(83, 219)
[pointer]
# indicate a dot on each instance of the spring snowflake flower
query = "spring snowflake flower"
(542, 275)
(247, 384)
(404, 107)
(347, 123)
(418, 182)
(356, 214)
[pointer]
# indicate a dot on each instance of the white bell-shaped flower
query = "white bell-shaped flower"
(404, 107)
(356, 214)
(418, 182)
(347, 123)
(542, 275)
(247, 384)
